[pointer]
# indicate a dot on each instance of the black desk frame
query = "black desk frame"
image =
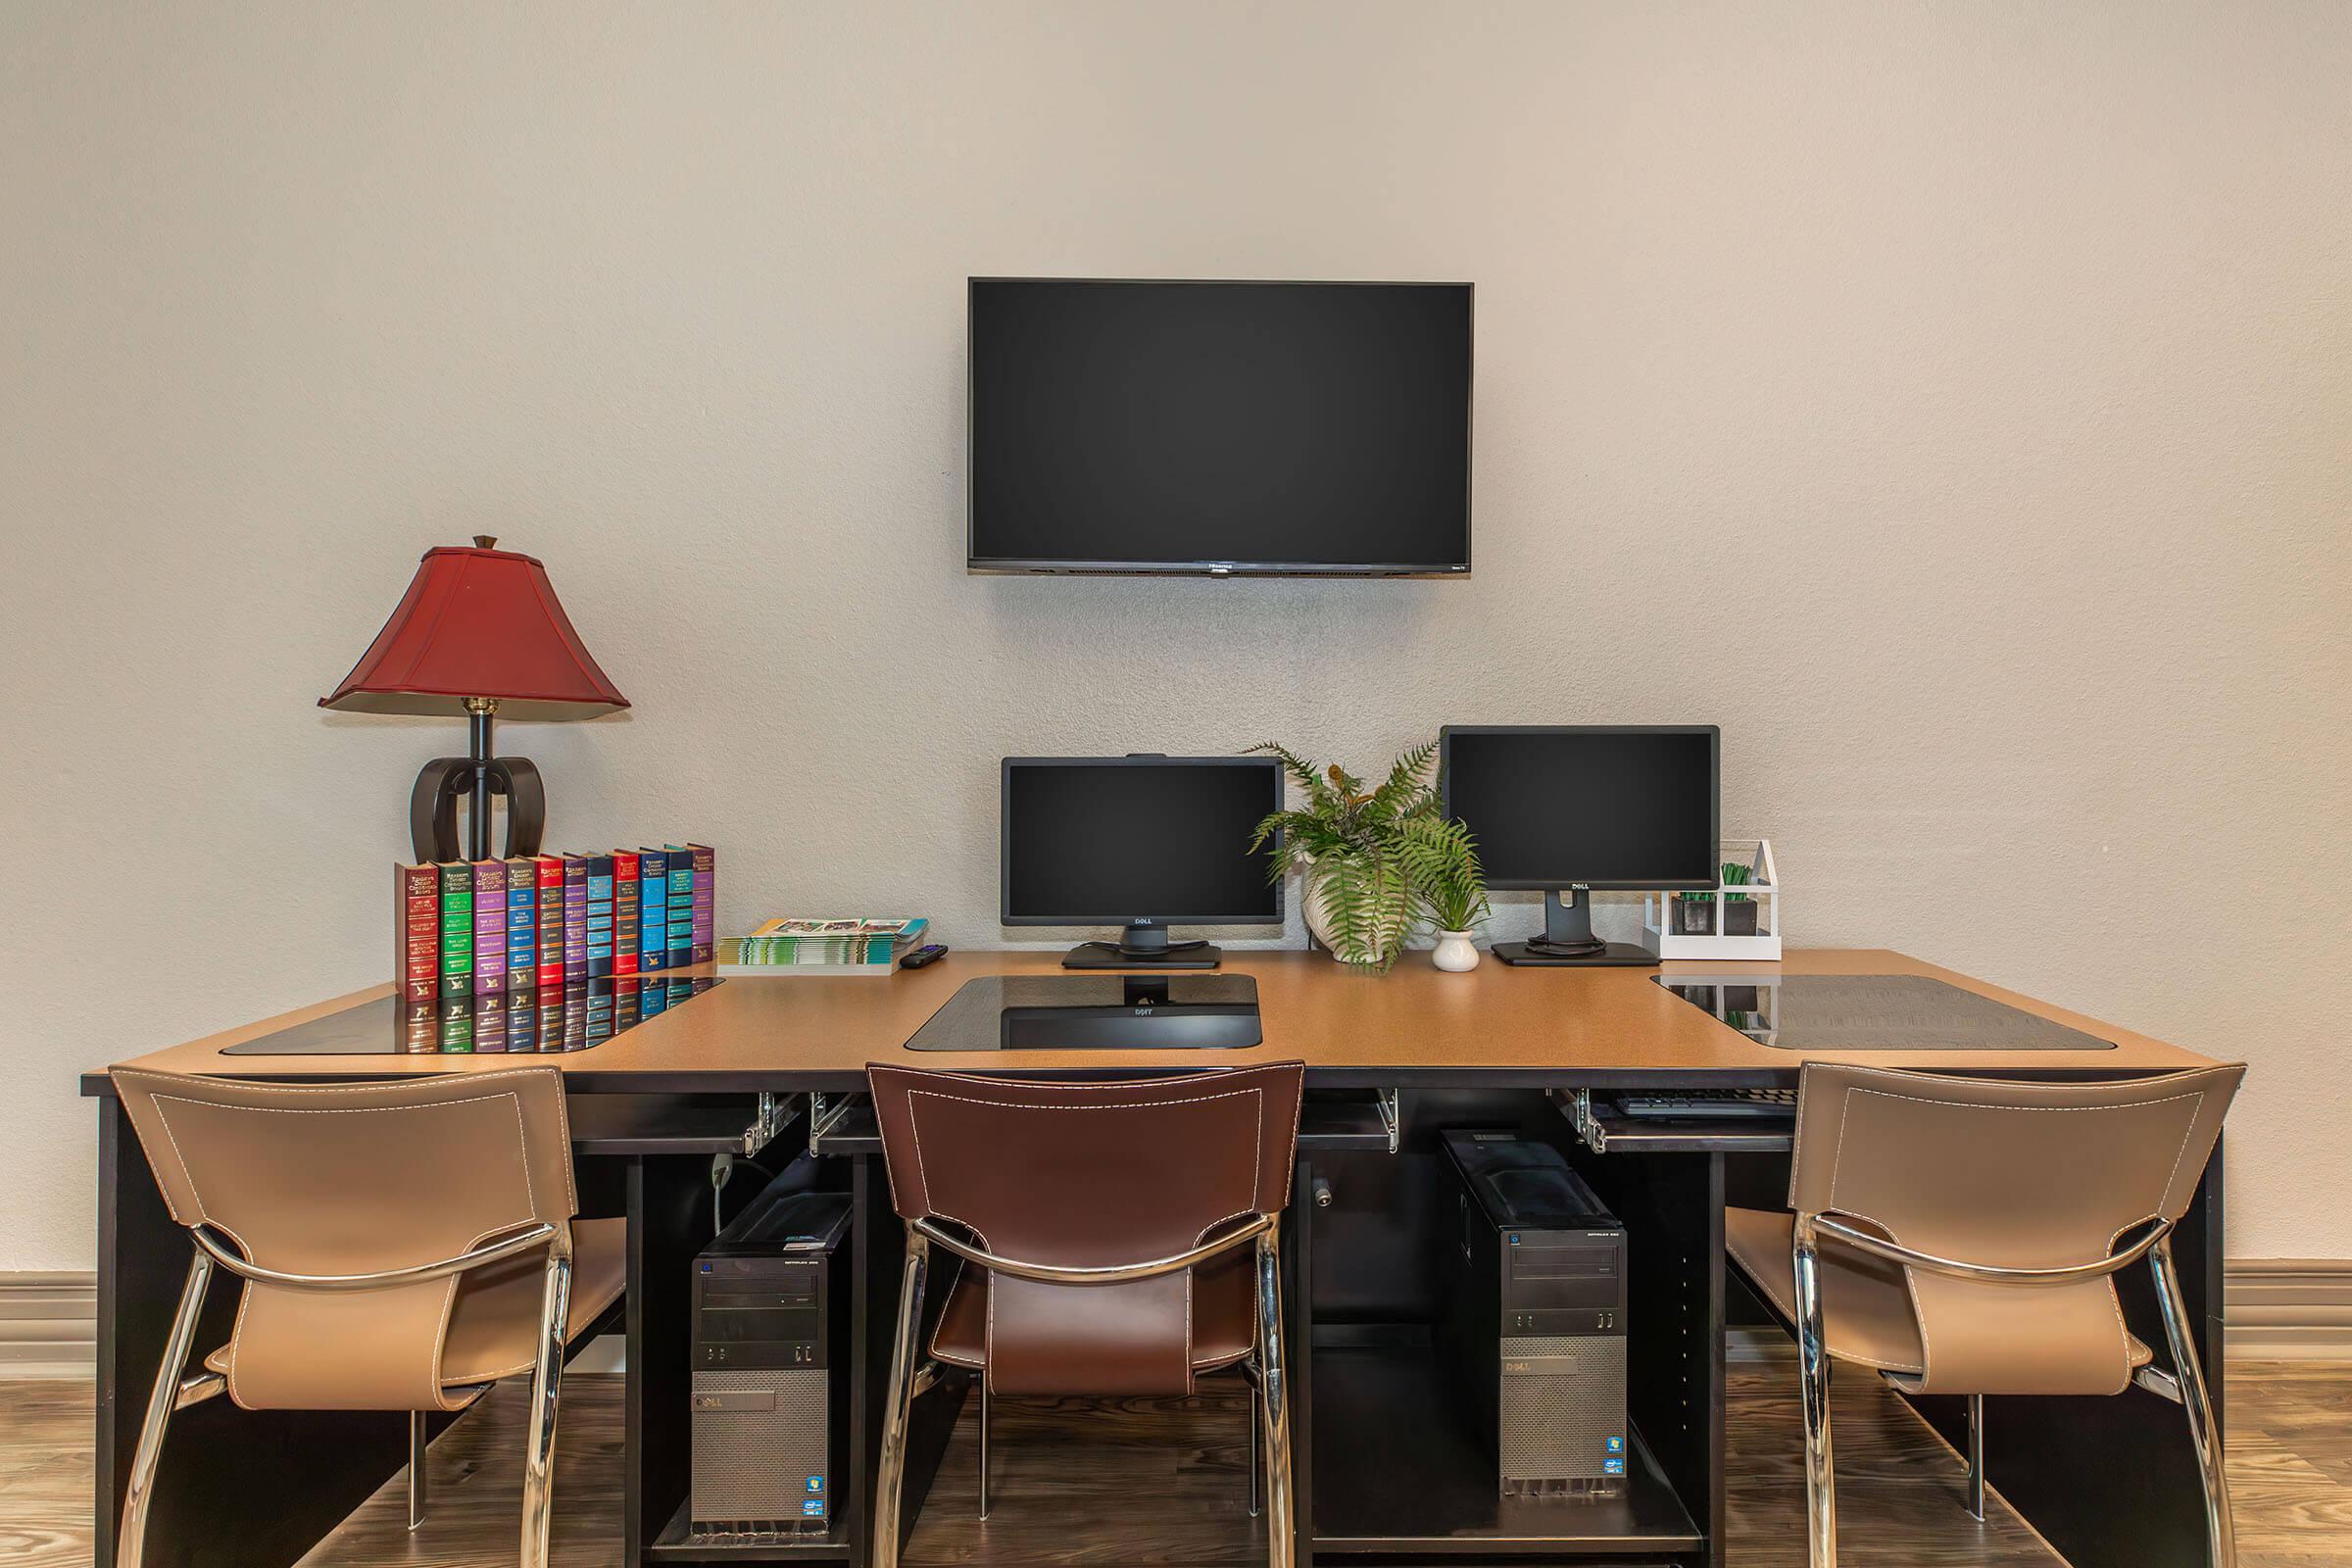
(2109, 1482)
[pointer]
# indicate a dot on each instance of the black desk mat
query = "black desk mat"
(379, 1029)
(1822, 1013)
(1095, 1011)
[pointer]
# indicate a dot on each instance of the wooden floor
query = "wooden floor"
(1147, 1481)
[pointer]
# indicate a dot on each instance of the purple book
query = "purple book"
(575, 954)
(489, 931)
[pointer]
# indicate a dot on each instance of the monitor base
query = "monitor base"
(1608, 956)
(1111, 955)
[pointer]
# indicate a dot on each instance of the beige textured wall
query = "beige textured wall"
(1988, 366)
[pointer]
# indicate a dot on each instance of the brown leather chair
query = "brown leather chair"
(403, 1247)
(1098, 1230)
(1962, 1236)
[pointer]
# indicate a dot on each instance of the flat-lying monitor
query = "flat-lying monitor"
(1144, 843)
(1579, 806)
(1222, 429)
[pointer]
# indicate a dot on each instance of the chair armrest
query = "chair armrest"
(539, 1235)
(1988, 1273)
(1116, 1274)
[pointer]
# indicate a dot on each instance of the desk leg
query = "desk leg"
(236, 1489)
(669, 1221)
(1298, 1307)
(2112, 1481)
(1672, 1206)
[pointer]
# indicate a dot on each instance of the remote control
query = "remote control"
(924, 955)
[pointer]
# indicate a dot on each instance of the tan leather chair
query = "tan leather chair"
(1962, 1236)
(403, 1247)
(1098, 1230)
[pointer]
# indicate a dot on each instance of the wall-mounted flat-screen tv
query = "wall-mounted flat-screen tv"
(1219, 428)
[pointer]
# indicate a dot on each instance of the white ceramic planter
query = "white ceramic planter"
(1318, 922)
(1454, 952)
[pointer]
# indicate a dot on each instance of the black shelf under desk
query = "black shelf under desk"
(1398, 1473)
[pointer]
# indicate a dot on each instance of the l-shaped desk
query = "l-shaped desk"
(1390, 1060)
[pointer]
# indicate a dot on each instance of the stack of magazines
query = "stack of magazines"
(858, 946)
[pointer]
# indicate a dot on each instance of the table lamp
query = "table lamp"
(479, 633)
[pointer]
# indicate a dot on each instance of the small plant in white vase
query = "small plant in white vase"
(1441, 861)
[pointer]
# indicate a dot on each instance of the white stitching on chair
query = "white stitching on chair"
(450, 1295)
(185, 1174)
(1910, 1275)
(2186, 1133)
(988, 1355)
(1846, 1116)
(914, 1135)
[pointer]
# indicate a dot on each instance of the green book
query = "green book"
(457, 930)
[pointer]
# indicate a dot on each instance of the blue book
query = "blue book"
(600, 923)
(522, 926)
(652, 911)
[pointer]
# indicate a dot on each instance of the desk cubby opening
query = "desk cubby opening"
(1393, 1467)
(1397, 1474)
(673, 1215)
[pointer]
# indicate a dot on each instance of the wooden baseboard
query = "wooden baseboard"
(2278, 1309)
(2275, 1310)
(2290, 1308)
(48, 1325)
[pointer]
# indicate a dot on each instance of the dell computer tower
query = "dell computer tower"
(770, 1370)
(1532, 1336)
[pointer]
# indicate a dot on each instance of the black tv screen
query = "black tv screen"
(1219, 427)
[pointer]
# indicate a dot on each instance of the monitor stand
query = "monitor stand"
(1143, 947)
(1568, 941)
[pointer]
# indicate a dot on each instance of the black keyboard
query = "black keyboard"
(1717, 1103)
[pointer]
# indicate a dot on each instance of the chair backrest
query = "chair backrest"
(2009, 1174)
(1090, 1175)
(345, 1180)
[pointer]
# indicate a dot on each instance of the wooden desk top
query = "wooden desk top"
(1496, 1025)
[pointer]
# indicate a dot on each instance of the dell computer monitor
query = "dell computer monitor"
(1142, 843)
(1224, 428)
(1578, 806)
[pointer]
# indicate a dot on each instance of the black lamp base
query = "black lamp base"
(446, 780)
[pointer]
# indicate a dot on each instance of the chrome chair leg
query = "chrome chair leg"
(1976, 1457)
(1813, 1375)
(1274, 1404)
(889, 1472)
(130, 1542)
(2221, 1535)
(1256, 1407)
(415, 1468)
(984, 1415)
(539, 1459)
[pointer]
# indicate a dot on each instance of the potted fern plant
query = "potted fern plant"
(1442, 862)
(1350, 841)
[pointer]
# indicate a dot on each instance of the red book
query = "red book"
(417, 932)
(626, 922)
(419, 1028)
(550, 913)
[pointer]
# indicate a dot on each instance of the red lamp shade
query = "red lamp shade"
(477, 622)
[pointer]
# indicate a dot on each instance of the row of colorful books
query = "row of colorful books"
(483, 943)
